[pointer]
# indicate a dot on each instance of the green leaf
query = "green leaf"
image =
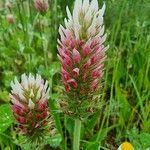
(55, 140)
(93, 146)
(145, 139)
(91, 122)
(125, 108)
(4, 96)
(28, 50)
(96, 140)
(6, 117)
(56, 115)
(55, 68)
(69, 125)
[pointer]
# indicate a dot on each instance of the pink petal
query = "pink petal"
(18, 110)
(93, 59)
(76, 56)
(21, 120)
(94, 42)
(42, 106)
(15, 101)
(75, 72)
(67, 60)
(95, 73)
(67, 88)
(97, 48)
(86, 51)
(94, 85)
(65, 75)
(87, 65)
(68, 33)
(42, 115)
(84, 76)
(73, 83)
(81, 43)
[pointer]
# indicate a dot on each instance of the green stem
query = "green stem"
(45, 59)
(76, 138)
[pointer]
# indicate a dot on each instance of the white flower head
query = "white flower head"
(87, 19)
(29, 90)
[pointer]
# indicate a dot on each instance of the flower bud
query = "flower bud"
(82, 54)
(41, 6)
(41, 24)
(10, 19)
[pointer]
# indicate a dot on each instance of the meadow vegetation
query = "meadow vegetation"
(29, 44)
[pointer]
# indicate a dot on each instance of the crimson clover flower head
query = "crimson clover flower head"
(82, 54)
(29, 98)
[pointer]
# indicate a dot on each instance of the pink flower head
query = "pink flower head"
(10, 19)
(82, 52)
(41, 6)
(29, 99)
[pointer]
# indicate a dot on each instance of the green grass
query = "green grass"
(125, 100)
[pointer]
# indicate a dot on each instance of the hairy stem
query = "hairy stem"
(76, 138)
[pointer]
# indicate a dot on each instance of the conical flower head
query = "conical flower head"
(82, 54)
(29, 99)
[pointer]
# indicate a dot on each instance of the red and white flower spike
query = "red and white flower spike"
(82, 51)
(29, 98)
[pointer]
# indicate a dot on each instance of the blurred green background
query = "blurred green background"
(30, 45)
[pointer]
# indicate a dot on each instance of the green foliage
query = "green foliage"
(140, 140)
(54, 141)
(6, 117)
